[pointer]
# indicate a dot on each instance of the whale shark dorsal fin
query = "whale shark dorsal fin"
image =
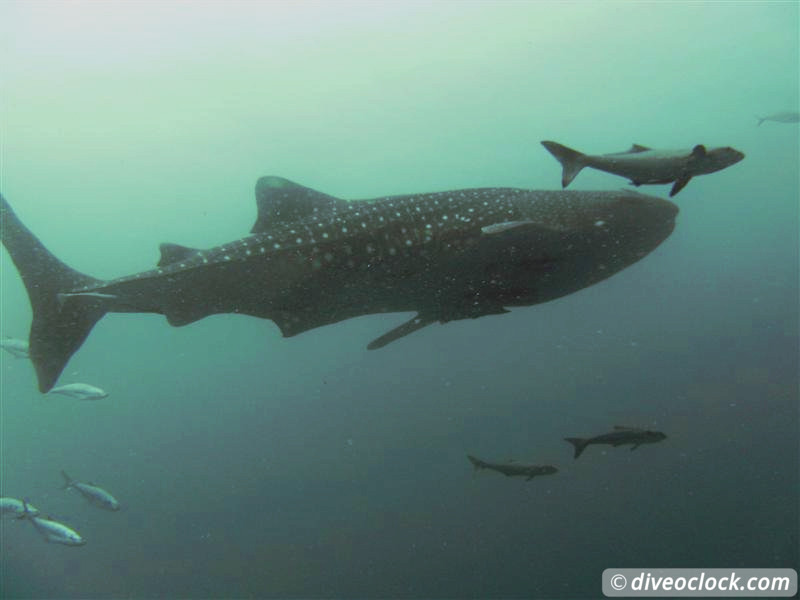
(638, 148)
(172, 253)
(281, 201)
(699, 151)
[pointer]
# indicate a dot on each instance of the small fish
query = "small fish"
(17, 348)
(11, 507)
(80, 391)
(619, 437)
(643, 165)
(512, 469)
(94, 494)
(781, 117)
(52, 530)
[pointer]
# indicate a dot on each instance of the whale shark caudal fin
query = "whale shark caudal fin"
(58, 328)
(579, 443)
(571, 160)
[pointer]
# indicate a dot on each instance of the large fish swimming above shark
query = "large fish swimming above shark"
(312, 259)
(643, 165)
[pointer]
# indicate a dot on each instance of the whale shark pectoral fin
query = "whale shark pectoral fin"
(679, 185)
(504, 230)
(403, 330)
(496, 228)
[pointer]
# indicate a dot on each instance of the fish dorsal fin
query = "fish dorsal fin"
(699, 151)
(172, 253)
(638, 148)
(282, 201)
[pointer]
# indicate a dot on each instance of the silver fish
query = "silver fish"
(619, 437)
(11, 507)
(51, 530)
(94, 494)
(513, 469)
(80, 391)
(17, 348)
(781, 117)
(643, 165)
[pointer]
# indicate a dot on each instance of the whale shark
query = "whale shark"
(312, 259)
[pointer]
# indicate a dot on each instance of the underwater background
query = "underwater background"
(253, 466)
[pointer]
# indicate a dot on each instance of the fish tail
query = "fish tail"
(579, 443)
(477, 463)
(571, 160)
(26, 510)
(59, 325)
(67, 481)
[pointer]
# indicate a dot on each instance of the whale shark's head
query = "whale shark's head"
(570, 240)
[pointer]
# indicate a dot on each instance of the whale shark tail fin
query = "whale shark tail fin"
(59, 325)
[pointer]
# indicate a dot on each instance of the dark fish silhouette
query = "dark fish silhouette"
(643, 165)
(512, 469)
(619, 437)
(313, 259)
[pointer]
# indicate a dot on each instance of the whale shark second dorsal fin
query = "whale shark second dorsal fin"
(172, 253)
(281, 201)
